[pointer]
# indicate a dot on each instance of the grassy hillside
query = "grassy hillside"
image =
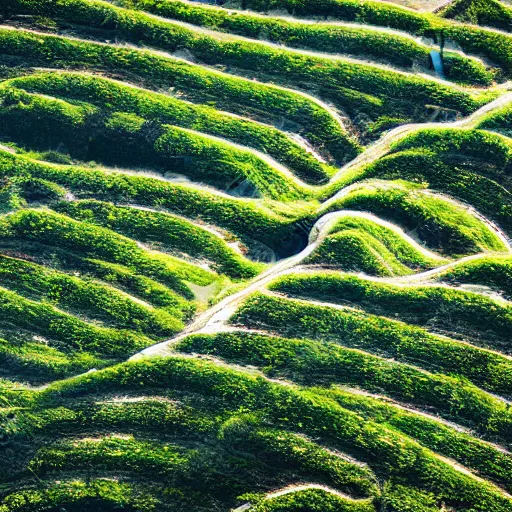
(255, 256)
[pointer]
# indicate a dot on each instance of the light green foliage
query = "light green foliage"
(213, 297)
(359, 244)
(199, 84)
(435, 306)
(436, 220)
(392, 48)
(173, 232)
(378, 335)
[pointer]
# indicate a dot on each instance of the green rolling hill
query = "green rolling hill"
(255, 256)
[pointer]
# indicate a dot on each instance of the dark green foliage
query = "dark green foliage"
(490, 13)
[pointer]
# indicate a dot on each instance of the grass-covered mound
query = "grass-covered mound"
(330, 76)
(263, 102)
(364, 245)
(489, 271)
(474, 181)
(492, 44)
(489, 13)
(124, 138)
(378, 335)
(116, 96)
(172, 232)
(247, 219)
(395, 49)
(438, 221)
(97, 305)
(448, 309)
(214, 297)
(225, 393)
(313, 363)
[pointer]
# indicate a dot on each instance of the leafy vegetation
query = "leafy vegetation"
(439, 222)
(255, 262)
(391, 48)
(490, 14)
(378, 335)
(433, 306)
(361, 244)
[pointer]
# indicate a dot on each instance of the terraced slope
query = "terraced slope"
(255, 257)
